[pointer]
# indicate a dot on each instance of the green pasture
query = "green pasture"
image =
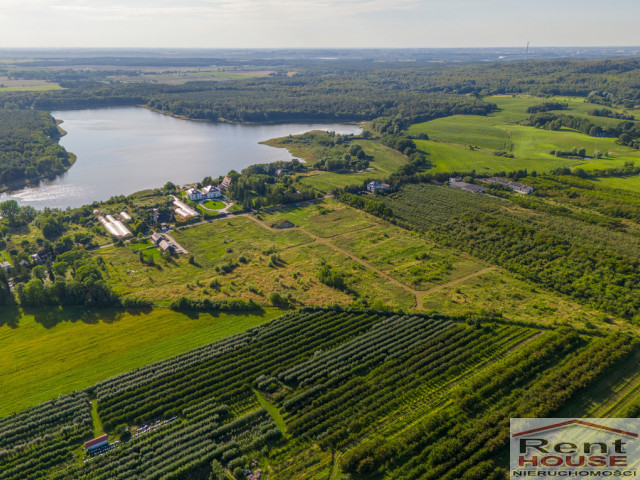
(51, 351)
(625, 183)
(465, 130)
(34, 88)
(452, 137)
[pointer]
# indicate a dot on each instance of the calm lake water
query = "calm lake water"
(127, 149)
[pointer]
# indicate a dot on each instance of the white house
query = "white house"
(211, 192)
(373, 186)
(194, 194)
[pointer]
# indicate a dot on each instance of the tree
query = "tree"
(39, 272)
(217, 471)
(124, 432)
(34, 294)
(10, 210)
(51, 227)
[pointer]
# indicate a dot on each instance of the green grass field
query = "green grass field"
(35, 88)
(49, 352)
(451, 137)
(464, 130)
(214, 204)
(625, 183)
(385, 162)
(499, 291)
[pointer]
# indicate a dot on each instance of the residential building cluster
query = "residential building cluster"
(206, 193)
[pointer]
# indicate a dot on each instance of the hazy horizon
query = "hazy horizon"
(308, 24)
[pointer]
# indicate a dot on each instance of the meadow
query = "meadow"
(384, 161)
(50, 351)
(451, 139)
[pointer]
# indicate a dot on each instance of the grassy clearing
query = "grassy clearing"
(464, 130)
(328, 219)
(273, 411)
(499, 291)
(413, 260)
(51, 352)
(97, 423)
(384, 161)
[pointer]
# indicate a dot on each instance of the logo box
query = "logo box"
(575, 447)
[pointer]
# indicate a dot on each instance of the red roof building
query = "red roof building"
(96, 442)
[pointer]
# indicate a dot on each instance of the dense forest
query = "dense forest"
(28, 146)
(346, 90)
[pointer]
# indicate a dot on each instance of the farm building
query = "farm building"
(515, 186)
(194, 194)
(125, 216)
(5, 265)
(456, 182)
(211, 192)
(373, 186)
(96, 442)
(156, 238)
(166, 246)
(183, 210)
(114, 227)
(286, 224)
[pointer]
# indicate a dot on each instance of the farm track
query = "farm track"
(418, 294)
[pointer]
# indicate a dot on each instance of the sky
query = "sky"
(317, 23)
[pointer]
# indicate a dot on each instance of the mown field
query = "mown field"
(451, 139)
(48, 352)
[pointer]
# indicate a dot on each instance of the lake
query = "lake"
(126, 149)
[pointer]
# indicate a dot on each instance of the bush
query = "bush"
(278, 300)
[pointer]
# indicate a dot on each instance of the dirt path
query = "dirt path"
(457, 280)
(418, 294)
